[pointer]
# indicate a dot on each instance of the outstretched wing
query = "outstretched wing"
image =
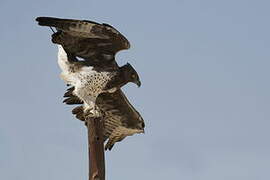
(121, 118)
(86, 39)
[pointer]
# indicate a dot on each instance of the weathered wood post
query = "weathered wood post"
(96, 148)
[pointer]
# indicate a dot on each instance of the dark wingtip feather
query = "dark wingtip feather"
(68, 101)
(77, 110)
(72, 100)
(46, 21)
(110, 148)
(41, 20)
(109, 145)
(68, 94)
(37, 19)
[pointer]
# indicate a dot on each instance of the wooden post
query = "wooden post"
(96, 148)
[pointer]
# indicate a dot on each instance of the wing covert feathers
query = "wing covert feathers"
(92, 35)
(120, 118)
(83, 28)
(118, 134)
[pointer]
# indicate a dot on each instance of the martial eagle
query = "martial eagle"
(95, 80)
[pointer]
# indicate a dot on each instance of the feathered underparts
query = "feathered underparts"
(89, 82)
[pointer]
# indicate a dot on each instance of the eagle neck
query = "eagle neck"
(118, 80)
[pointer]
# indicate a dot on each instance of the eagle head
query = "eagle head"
(130, 74)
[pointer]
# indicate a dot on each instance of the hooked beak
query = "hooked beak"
(138, 82)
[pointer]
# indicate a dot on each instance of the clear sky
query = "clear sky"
(204, 66)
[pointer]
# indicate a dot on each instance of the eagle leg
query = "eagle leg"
(92, 111)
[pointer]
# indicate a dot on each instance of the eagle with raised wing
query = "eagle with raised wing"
(97, 44)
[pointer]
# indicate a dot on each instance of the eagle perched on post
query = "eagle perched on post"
(96, 80)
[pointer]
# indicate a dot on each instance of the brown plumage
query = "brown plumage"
(120, 118)
(87, 39)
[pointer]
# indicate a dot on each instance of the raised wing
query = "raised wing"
(121, 118)
(86, 39)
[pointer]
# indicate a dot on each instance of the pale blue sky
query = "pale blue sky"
(204, 67)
